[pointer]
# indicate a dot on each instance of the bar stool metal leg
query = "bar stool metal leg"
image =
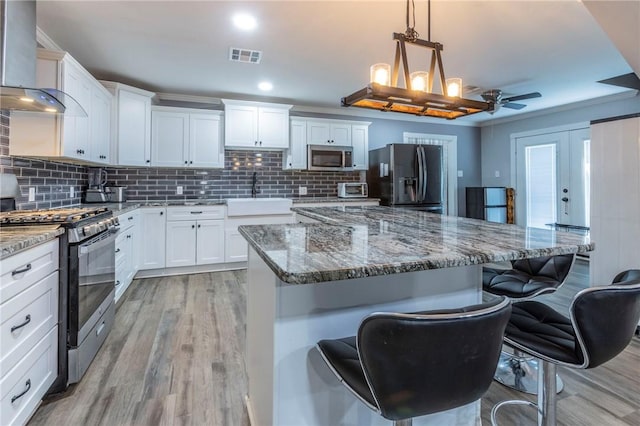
(520, 372)
(547, 394)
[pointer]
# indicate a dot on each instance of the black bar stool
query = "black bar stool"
(527, 279)
(603, 321)
(409, 365)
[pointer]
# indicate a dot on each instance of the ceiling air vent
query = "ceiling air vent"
(245, 55)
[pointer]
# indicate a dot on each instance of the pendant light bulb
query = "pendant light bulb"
(420, 81)
(381, 74)
(454, 87)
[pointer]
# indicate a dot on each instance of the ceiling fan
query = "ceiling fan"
(495, 96)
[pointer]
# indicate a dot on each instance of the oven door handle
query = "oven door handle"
(99, 242)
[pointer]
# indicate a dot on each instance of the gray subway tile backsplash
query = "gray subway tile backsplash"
(53, 180)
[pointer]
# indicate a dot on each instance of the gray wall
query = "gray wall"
(385, 131)
(496, 144)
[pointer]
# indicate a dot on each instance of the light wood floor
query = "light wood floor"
(175, 356)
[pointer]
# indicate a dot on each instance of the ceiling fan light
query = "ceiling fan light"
(420, 81)
(454, 87)
(381, 74)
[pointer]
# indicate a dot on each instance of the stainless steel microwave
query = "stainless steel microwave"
(336, 158)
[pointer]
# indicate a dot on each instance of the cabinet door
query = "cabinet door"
(169, 139)
(181, 243)
(76, 129)
(204, 141)
(100, 126)
(210, 242)
(153, 238)
(240, 126)
(273, 127)
(318, 133)
(341, 134)
(360, 143)
(236, 247)
(134, 129)
(297, 155)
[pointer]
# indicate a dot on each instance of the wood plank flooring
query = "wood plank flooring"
(176, 357)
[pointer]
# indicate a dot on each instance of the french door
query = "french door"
(552, 179)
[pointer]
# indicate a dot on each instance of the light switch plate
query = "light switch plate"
(302, 190)
(497, 173)
(460, 173)
(179, 190)
(72, 192)
(32, 193)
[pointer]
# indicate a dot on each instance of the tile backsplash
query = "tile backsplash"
(53, 180)
(234, 181)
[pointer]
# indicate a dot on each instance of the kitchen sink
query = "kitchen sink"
(257, 206)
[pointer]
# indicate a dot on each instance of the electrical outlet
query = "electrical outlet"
(497, 173)
(460, 173)
(302, 190)
(179, 190)
(32, 194)
(72, 192)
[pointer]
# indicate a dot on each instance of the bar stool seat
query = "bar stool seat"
(526, 279)
(409, 365)
(602, 323)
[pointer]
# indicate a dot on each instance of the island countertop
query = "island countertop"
(356, 242)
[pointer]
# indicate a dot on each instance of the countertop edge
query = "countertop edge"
(25, 242)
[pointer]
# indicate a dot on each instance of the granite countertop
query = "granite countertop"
(14, 239)
(356, 242)
(309, 200)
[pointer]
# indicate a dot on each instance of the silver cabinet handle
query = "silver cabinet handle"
(19, 271)
(15, 397)
(27, 320)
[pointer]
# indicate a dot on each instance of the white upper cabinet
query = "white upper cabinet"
(78, 139)
(256, 125)
(295, 158)
(360, 146)
(328, 132)
(182, 137)
(130, 124)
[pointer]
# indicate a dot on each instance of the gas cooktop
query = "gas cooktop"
(67, 216)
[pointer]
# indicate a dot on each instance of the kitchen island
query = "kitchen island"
(312, 281)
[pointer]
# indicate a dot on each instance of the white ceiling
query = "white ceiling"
(315, 52)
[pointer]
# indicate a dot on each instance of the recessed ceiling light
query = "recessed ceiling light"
(265, 85)
(244, 22)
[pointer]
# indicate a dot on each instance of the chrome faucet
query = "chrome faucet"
(254, 185)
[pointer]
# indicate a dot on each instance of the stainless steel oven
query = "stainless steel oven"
(337, 158)
(91, 296)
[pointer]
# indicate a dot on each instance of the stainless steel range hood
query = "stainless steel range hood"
(18, 65)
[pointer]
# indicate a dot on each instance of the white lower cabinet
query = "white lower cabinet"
(126, 251)
(195, 236)
(236, 247)
(152, 238)
(28, 330)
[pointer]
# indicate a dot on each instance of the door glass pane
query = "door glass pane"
(540, 163)
(586, 180)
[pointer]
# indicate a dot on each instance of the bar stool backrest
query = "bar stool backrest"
(555, 267)
(605, 319)
(418, 364)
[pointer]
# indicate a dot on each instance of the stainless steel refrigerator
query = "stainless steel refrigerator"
(407, 175)
(488, 203)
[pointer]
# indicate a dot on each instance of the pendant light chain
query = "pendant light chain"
(411, 34)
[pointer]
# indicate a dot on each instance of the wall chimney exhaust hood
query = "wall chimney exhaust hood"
(18, 65)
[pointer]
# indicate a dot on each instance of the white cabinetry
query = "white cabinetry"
(360, 146)
(328, 132)
(130, 124)
(183, 137)
(195, 236)
(82, 139)
(126, 251)
(256, 125)
(28, 330)
(152, 238)
(296, 156)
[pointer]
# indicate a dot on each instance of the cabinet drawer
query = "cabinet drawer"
(24, 269)
(195, 213)
(127, 220)
(34, 374)
(31, 314)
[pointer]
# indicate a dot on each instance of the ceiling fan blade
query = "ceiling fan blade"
(523, 97)
(513, 105)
